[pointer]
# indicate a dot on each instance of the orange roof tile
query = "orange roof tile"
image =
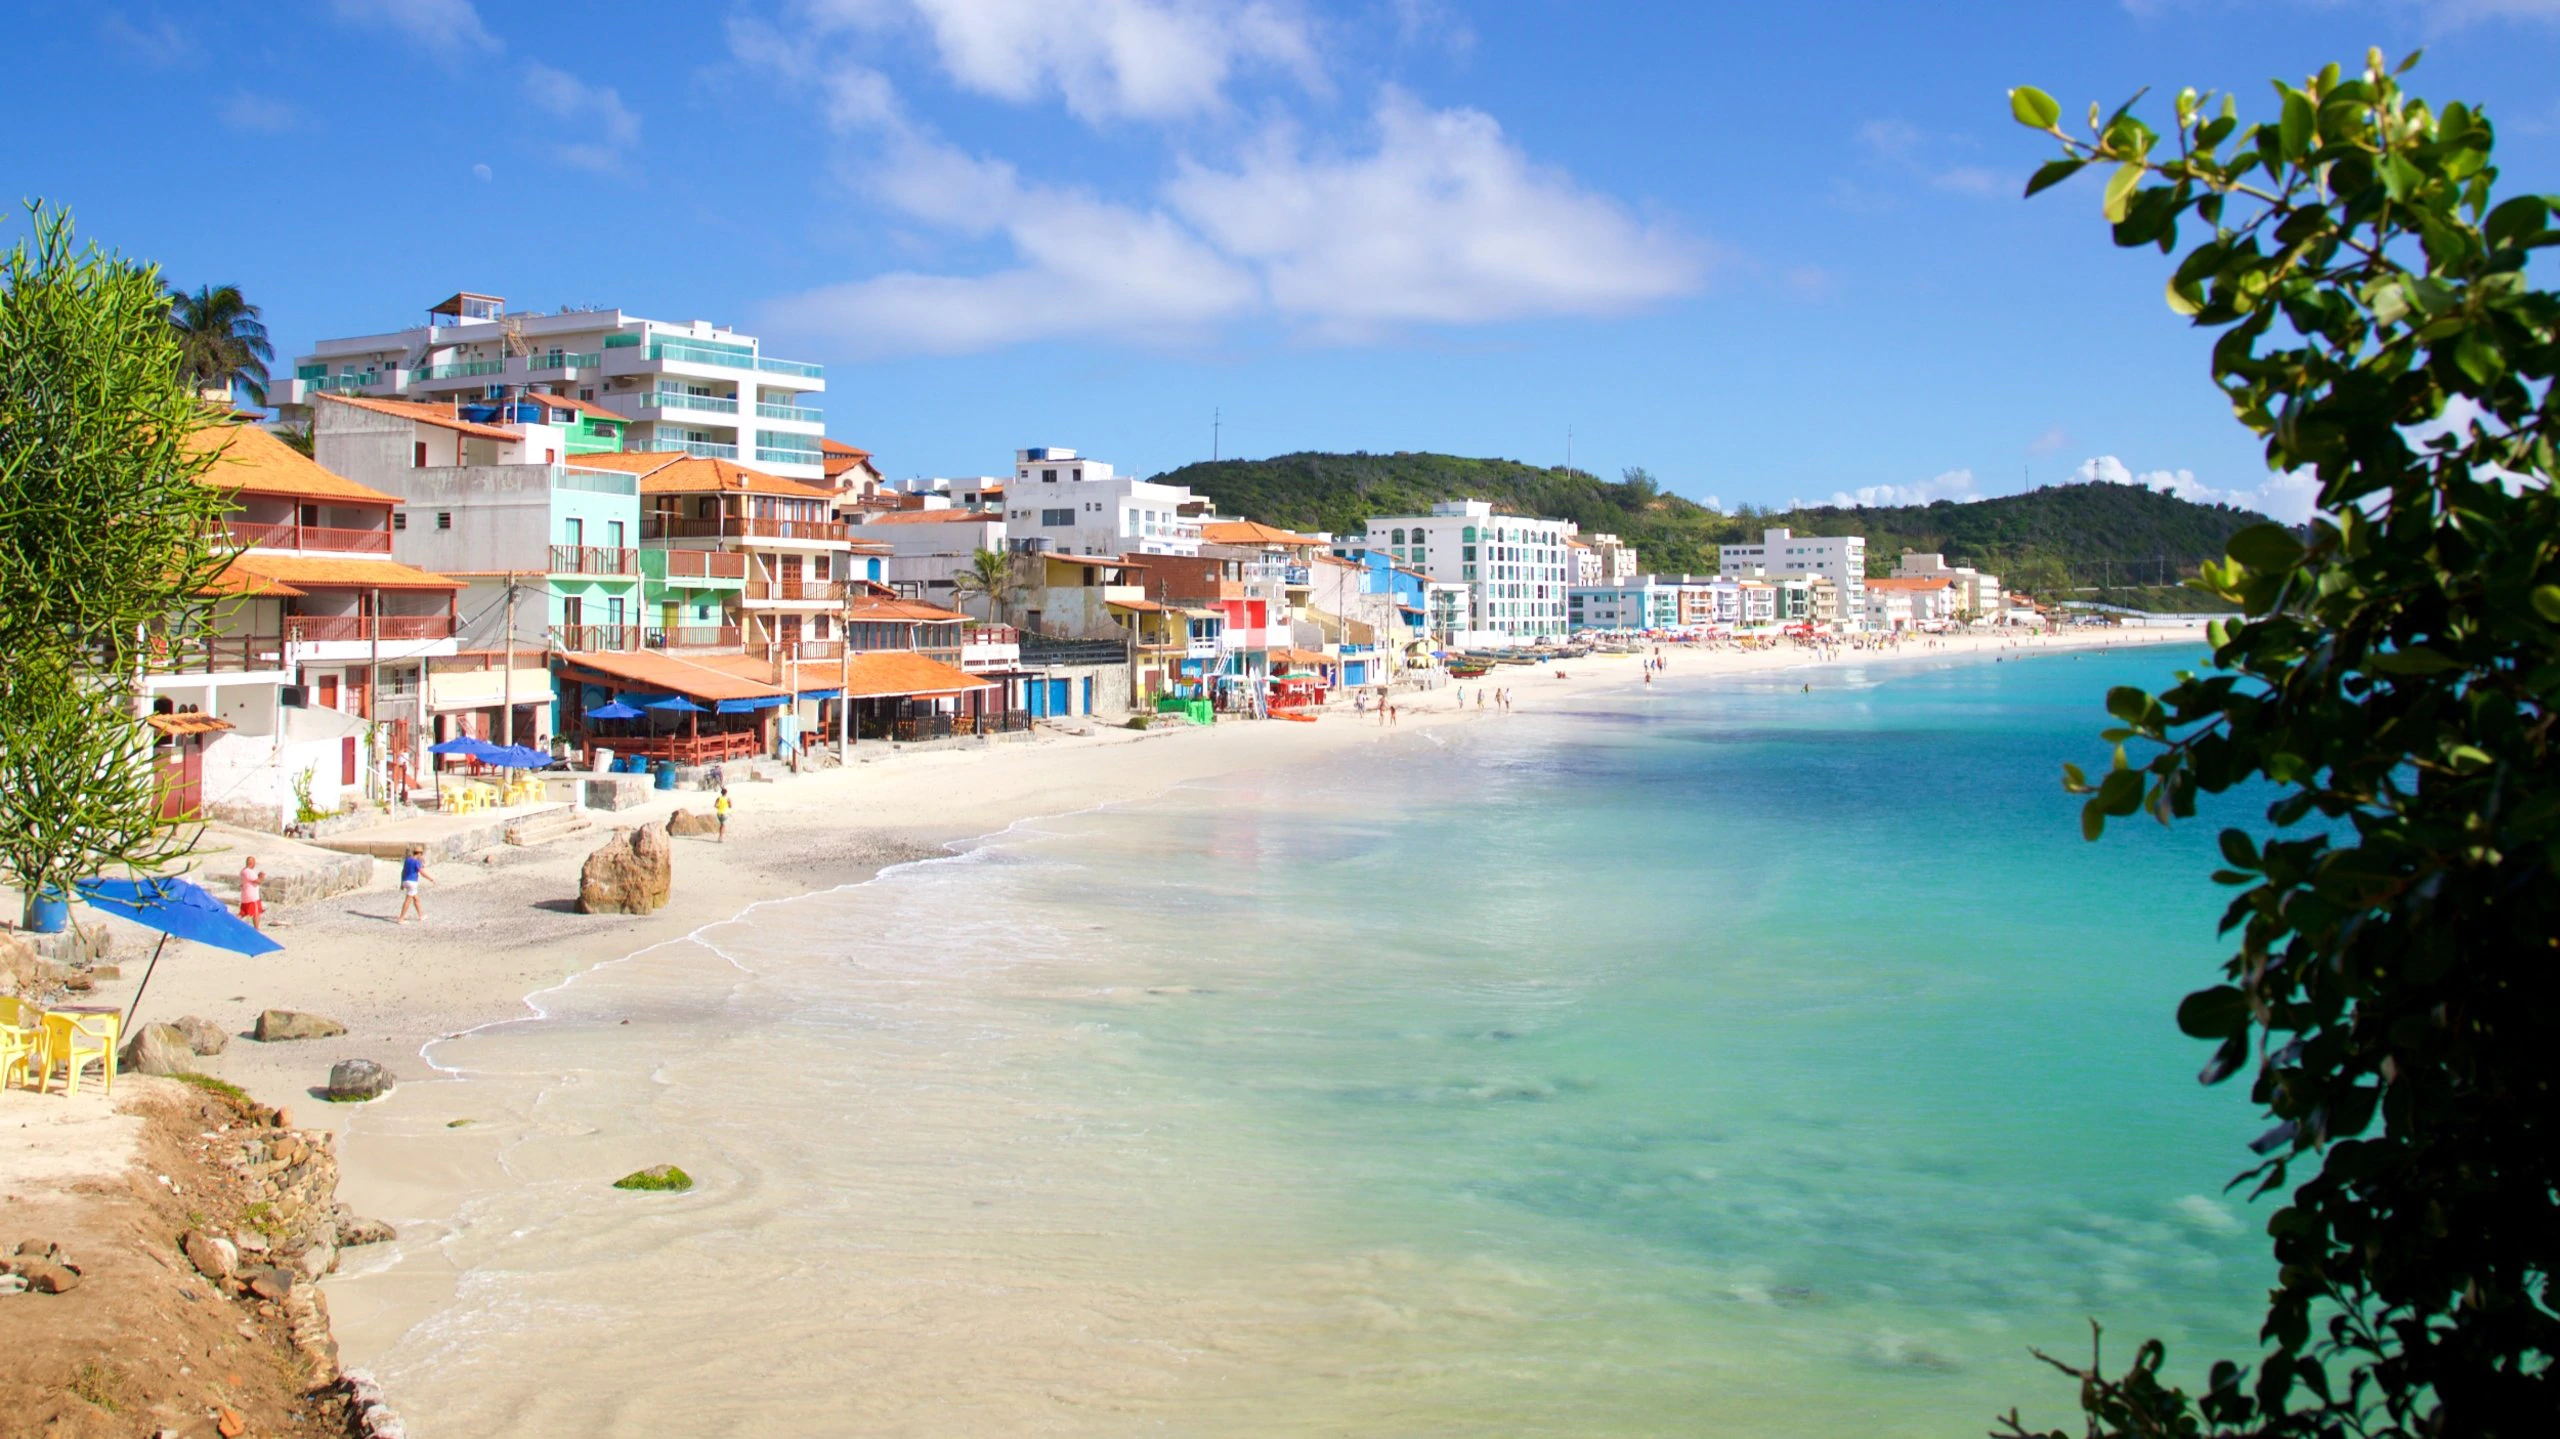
(701, 677)
(1910, 584)
(323, 572)
(1253, 532)
(888, 609)
(674, 474)
(437, 415)
(191, 722)
(234, 581)
(903, 672)
(934, 517)
(251, 461)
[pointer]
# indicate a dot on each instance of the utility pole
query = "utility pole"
(844, 682)
(507, 681)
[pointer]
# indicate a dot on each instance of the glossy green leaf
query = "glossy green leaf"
(2216, 1013)
(2119, 193)
(2034, 108)
(2546, 602)
(2415, 660)
(2294, 128)
(2052, 173)
(2265, 547)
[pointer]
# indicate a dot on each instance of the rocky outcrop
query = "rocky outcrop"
(158, 1049)
(354, 1080)
(630, 873)
(276, 1025)
(686, 822)
(203, 1035)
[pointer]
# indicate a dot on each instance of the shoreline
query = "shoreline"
(496, 941)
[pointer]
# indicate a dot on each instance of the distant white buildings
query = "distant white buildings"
(1517, 571)
(929, 548)
(1603, 560)
(1977, 594)
(1841, 559)
(1065, 503)
(695, 388)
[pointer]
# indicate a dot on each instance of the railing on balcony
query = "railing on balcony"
(287, 535)
(694, 637)
(690, 354)
(720, 527)
(463, 370)
(596, 637)
(557, 361)
(312, 629)
(827, 590)
(766, 410)
(216, 654)
(815, 651)
(679, 400)
(593, 560)
(706, 565)
(708, 747)
(1295, 575)
(770, 455)
(791, 367)
(990, 635)
(330, 383)
(700, 449)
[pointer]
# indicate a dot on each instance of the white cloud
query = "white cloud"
(1085, 267)
(2054, 438)
(155, 42)
(1445, 222)
(2289, 497)
(1903, 146)
(1105, 59)
(445, 27)
(1955, 485)
(604, 129)
(258, 114)
(483, 173)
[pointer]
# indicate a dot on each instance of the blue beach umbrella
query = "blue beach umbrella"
(677, 703)
(519, 757)
(173, 907)
(465, 745)
(613, 710)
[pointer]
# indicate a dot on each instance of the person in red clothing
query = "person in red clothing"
(253, 904)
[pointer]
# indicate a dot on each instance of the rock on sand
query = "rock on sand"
(628, 874)
(281, 1024)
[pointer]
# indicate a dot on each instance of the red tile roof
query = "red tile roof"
(1253, 532)
(667, 473)
(251, 461)
(436, 415)
(934, 517)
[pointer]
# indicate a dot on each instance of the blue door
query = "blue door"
(1088, 695)
(1035, 698)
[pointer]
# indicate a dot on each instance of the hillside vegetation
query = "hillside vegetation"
(2091, 539)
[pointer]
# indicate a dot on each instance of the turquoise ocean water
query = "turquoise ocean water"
(1723, 1059)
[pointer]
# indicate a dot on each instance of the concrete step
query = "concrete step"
(549, 827)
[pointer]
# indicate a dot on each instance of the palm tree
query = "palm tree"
(988, 573)
(222, 342)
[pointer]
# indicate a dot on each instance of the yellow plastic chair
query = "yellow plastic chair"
(21, 1041)
(72, 1040)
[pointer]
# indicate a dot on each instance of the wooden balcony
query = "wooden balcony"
(734, 527)
(694, 637)
(709, 747)
(312, 629)
(706, 565)
(289, 535)
(596, 637)
(817, 591)
(595, 560)
(216, 654)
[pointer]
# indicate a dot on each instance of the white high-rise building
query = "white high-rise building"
(695, 388)
(1066, 503)
(1841, 559)
(1517, 571)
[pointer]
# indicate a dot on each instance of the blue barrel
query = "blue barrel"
(666, 774)
(49, 912)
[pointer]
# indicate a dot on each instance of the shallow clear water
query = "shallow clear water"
(1724, 1059)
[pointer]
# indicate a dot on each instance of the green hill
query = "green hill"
(2088, 538)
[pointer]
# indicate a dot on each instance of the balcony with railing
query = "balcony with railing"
(699, 449)
(785, 455)
(694, 637)
(680, 400)
(737, 527)
(215, 654)
(588, 638)
(558, 361)
(292, 535)
(822, 591)
(593, 560)
(791, 367)
(702, 565)
(767, 410)
(462, 370)
(318, 629)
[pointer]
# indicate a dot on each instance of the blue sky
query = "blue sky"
(1768, 252)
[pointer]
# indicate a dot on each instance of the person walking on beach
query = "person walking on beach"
(253, 904)
(720, 812)
(413, 870)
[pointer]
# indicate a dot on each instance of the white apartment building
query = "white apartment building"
(1603, 560)
(928, 548)
(1842, 559)
(1976, 593)
(1068, 504)
(1517, 571)
(694, 387)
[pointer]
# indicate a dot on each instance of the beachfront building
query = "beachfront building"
(1977, 594)
(1842, 559)
(318, 646)
(546, 544)
(690, 388)
(1061, 501)
(929, 548)
(1913, 603)
(972, 492)
(1517, 571)
(798, 564)
(1600, 559)
(1643, 603)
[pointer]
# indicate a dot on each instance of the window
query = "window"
(1049, 476)
(399, 521)
(419, 456)
(444, 519)
(1057, 518)
(1397, 539)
